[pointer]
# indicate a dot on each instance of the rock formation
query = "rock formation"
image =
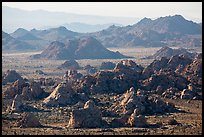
(169, 52)
(29, 91)
(90, 69)
(28, 120)
(69, 64)
(165, 78)
(142, 104)
(137, 120)
(72, 75)
(16, 104)
(107, 65)
(10, 76)
(34, 91)
(14, 89)
(83, 48)
(88, 117)
(62, 95)
(193, 71)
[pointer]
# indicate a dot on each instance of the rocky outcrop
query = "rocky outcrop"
(28, 120)
(14, 89)
(137, 120)
(28, 91)
(88, 117)
(189, 94)
(72, 75)
(69, 64)
(142, 104)
(34, 91)
(193, 71)
(107, 65)
(165, 78)
(90, 69)
(17, 104)
(175, 63)
(11, 76)
(169, 52)
(126, 74)
(62, 95)
(128, 65)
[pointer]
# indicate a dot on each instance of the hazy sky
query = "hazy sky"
(190, 10)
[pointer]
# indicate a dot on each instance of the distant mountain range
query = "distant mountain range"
(14, 18)
(164, 31)
(11, 44)
(83, 27)
(83, 48)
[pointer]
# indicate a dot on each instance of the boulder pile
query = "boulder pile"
(142, 104)
(28, 91)
(88, 117)
(63, 95)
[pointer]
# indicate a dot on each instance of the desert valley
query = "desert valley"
(140, 79)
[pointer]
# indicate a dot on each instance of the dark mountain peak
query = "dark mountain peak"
(23, 34)
(90, 42)
(113, 26)
(178, 16)
(33, 30)
(21, 30)
(144, 21)
(62, 28)
(172, 19)
(4, 34)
